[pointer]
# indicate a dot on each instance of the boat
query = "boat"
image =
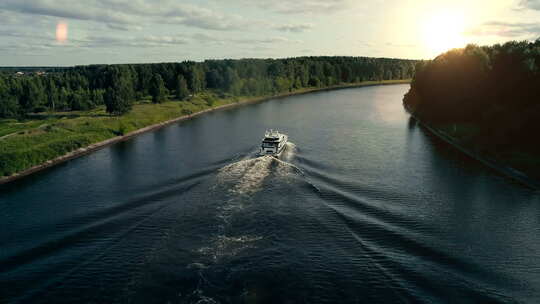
(273, 143)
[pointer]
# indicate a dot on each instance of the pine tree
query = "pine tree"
(119, 96)
(157, 89)
(182, 90)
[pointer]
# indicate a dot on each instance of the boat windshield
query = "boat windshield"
(269, 145)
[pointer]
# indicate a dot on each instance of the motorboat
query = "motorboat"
(273, 143)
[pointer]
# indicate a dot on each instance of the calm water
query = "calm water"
(365, 207)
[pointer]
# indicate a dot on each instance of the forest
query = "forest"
(488, 97)
(119, 86)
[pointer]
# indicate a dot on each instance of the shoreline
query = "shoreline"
(102, 144)
(505, 170)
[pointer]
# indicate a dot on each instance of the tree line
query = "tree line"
(495, 90)
(118, 86)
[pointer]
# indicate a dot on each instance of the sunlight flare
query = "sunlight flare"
(61, 32)
(443, 31)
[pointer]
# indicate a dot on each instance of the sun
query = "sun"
(442, 31)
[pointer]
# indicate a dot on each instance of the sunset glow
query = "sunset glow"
(61, 32)
(443, 31)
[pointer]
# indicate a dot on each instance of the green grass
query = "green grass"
(45, 136)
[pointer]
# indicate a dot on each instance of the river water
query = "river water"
(364, 207)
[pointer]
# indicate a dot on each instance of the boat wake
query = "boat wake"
(247, 176)
(241, 182)
(236, 200)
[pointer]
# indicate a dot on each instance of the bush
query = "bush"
(210, 100)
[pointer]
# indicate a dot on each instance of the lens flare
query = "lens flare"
(61, 32)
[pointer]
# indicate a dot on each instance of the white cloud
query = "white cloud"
(303, 6)
(119, 13)
(507, 30)
(294, 28)
(203, 37)
(146, 41)
(531, 4)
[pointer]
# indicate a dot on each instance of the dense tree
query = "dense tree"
(80, 101)
(493, 92)
(182, 90)
(9, 105)
(157, 89)
(119, 96)
(52, 94)
(33, 95)
(117, 86)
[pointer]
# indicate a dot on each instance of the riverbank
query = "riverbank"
(494, 164)
(59, 138)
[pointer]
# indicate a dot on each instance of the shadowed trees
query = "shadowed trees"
(495, 91)
(182, 90)
(157, 89)
(119, 94)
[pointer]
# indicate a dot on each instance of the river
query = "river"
(365, 206)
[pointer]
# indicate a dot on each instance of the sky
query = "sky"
(79, 32)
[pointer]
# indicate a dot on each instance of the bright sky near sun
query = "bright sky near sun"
(66, 32)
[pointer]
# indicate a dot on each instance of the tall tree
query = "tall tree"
(182, 90)
(52, 94)
(9, 107)
(157, 89)
(119, 96)
(196, 79)
(33, 95)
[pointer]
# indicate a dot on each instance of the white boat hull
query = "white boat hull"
(273, 144)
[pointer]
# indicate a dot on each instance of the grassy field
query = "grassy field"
(24, 144)
(45, 136)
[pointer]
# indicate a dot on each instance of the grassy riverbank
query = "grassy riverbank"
(44, 137)
(469, 137)
(519, 166)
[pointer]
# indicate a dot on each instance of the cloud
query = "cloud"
(124, 27)
(220, 23)
(530, 4)
(400, 45)
(64, 9)
(204, 37)
(272, 40)
(119, 13)
(365, 43)
(142, 42)
(303, 6)
(294, 28)
(506, 30)
(104, 42)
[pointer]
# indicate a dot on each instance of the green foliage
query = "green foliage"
(32, 95)
(210, 100)
(182, 90)
(495, 89)
(157, 89)
(119, 95)
(116, 86)
(78, 97)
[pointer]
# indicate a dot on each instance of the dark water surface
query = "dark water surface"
(365, 207)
